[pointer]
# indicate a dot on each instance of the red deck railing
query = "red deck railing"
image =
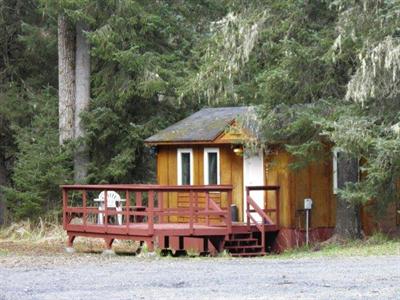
(145, 206)
(253, 208)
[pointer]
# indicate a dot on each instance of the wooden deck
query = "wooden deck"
(145, 216)
(142, 229)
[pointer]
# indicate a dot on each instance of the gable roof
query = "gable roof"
(203, 126)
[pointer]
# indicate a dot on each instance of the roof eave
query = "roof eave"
(157, 143)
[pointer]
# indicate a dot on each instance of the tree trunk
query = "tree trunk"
(82, 96)
(3, 181)
(3, 175)
(347, 213)
(66, 79)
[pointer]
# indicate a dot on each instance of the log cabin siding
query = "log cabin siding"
(313, 181)
(231, 172)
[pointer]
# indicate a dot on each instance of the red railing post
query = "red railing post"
(106, 209)
(127, 209)
(208, 207)
(65, 205)
(247, 207)
(160, 196)
(150, 215)
(191, 211)
(138, 197)
(196, 207)
(277, 208)
(84, 207)
(228, 216)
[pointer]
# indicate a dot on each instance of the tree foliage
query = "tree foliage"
(321, 72)
(40, 165)
(324, 73)
(140, 56)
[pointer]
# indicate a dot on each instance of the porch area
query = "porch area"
(142, 212)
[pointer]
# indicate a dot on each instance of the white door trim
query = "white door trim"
(253, 174)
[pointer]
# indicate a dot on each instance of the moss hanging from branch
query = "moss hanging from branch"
(232, 41)
(377, 77)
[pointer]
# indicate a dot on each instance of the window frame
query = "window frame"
(179, 152)
(205, 164)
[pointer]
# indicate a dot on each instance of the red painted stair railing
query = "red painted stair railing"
(253, 208)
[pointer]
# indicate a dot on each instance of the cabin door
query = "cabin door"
(253, 174)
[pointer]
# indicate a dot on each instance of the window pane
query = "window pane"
(212, 168)
(185, 158)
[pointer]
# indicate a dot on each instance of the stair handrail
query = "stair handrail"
(260, 227)
(266, 220)
(258, 210)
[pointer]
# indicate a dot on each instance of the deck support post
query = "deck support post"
(181, 243)
(70, 241)
(150, 245)
(263, 245)
(109, 243)
(221, 246)
(166, 241)
(205, 245)
(218, 243)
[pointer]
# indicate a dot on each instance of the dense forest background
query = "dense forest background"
(319, 72)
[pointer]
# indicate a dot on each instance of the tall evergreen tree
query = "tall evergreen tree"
(82, 97)
(66, 78)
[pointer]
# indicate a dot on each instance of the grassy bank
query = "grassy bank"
(375, 245)
(46, 238)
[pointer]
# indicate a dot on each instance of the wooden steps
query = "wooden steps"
(243, 244)
(244, 241)
(255, 254)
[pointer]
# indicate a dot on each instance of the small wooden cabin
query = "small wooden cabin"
(202, 150)
(214, 194)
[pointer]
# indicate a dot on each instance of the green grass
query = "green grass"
(40, 231)
(3, 252)
(375, 245)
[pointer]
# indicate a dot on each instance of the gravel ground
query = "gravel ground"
(128, 277)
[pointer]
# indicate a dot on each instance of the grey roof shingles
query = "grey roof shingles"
(203, 126)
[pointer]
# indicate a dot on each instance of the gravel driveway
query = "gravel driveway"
(99, 277)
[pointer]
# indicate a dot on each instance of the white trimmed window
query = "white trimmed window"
(211, 166)
(185, 166)
(335, 154)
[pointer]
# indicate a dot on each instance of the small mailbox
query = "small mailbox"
(307, 203)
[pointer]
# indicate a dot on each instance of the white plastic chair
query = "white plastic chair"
(113, 201)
